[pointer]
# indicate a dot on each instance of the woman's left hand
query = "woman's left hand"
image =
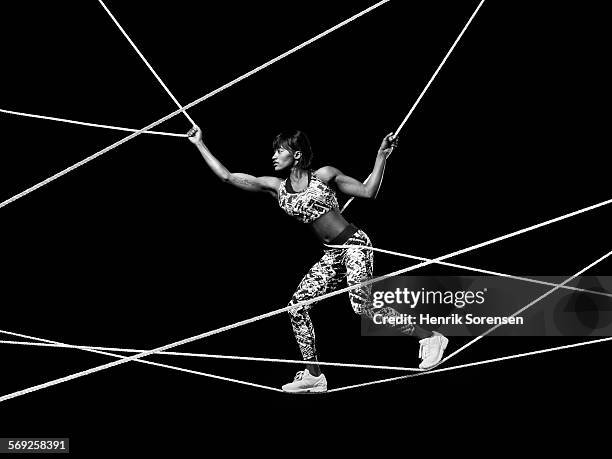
(388, 144)
(195, 135)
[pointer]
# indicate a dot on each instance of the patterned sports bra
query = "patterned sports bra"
(309, 204)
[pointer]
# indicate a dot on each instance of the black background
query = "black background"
(144, 246)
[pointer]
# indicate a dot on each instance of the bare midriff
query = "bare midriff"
(329, 225)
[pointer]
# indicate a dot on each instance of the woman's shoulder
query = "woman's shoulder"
(326, 174)
(270, 184)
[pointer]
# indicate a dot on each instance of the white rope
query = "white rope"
(46, 342)
(473, 364)
(469, 268)
(423, 373)
(439, 67)
(444, 360)
(145, 61)
(186, 107)
(440, 370)
(82, 123)
(281, 310)
(433, 77)
(213, 356)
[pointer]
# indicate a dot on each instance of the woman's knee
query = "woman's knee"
(361, 301)
(295, 311)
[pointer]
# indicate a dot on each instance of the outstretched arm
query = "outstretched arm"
(243, 181)
(352, 187)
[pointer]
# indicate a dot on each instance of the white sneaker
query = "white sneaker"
(431, 350)
(305, 382)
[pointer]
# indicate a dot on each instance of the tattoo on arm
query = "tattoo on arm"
(249, 183)
(242, 181)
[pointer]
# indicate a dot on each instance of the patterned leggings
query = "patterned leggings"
(354, 264)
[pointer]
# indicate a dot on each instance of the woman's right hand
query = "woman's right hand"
(194, 135)
(388, 144)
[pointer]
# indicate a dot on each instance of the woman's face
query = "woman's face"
(283, 158)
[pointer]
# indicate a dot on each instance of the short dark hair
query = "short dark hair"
(293, 141)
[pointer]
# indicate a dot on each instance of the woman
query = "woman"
(310, 197)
